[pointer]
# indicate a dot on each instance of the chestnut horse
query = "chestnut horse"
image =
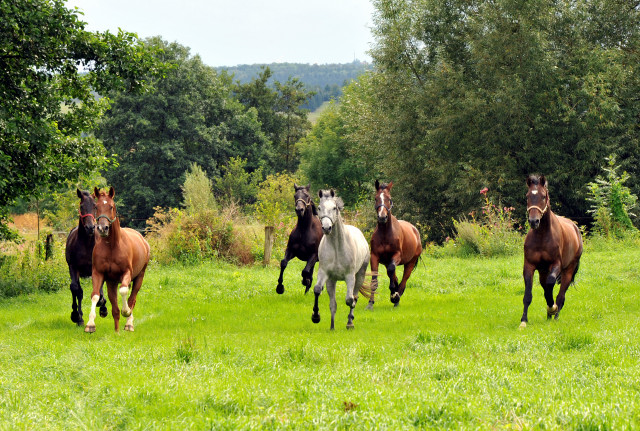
(304, 238)
(553, 246)
(78, 252)
(121, 255)
(394, 242)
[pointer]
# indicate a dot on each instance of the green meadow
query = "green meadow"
(215, 347)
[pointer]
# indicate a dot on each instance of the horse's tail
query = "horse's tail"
(575, 271)
(365, 290)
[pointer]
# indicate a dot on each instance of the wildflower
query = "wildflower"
(484, 191)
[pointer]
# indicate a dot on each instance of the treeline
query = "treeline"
(325, 81)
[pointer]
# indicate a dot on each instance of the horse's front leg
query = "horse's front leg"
(408, 269)
(350, 299)
(112, 292)
(317, 290)
(527, 274)
(131, 301)
(307, 272)
(375, 261)
(333, 306)
(566, 279)
(288, 255)
(124, 292)
(548, 281)
(393, 280)
(97, 279)
(76, 296)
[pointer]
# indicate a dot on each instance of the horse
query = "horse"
(343, 254)
(78, 251)
(394, 242)
(304, 238)
(121, 255)
(553, 246)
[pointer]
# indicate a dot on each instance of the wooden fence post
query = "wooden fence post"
(48, 247)
(269, 237)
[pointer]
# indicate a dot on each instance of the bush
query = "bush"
(26, 271)
(491, 234)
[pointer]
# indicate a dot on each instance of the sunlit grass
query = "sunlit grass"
(216, 348)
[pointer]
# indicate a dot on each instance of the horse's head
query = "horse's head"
(383, 201)
(537, 199)
(303, 199)
(87, 211)
(329, 209)
(105, 210)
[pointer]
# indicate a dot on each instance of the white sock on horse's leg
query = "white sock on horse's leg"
(92, 314)
(124, 292)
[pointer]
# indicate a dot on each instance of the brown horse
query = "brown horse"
(394, 242)
(304, 238)
(121, 255)
(553, 246)
(78, 252)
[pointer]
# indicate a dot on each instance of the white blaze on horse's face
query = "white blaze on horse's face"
(382, 206)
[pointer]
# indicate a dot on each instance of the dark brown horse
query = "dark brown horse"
(393, 243)
(553, 246)
(121, 255)
(78, 253)
(304, 238)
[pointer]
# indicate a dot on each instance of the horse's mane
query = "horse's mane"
(537, 179)
(383, 186)
(330, 194)
(85, 193)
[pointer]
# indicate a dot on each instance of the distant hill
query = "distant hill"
(326, 80)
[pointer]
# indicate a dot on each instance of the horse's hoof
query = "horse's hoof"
(280, 289)
(125, 313)
(523, 325)
(80, 322)
(369, 306)
(315, 318)
(75, 317)
(350, 326)
(395, 298)
(552, 310)
(396, 304)
(90, 328)
(128, 328)
(307, 289)
(103, 311)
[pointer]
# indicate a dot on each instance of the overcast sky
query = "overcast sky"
(232, 32)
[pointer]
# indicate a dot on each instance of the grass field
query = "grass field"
(216, 348)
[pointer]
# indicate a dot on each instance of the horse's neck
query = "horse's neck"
(390, 226)
(115, 233)
(546, 222)
(337, 237)
(306, 219)
(84, 236)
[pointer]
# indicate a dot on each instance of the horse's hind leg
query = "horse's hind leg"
(566, 279)
(283, 265)
(307, 272)
(333, 306)
(317, 290)
(375, 261)
(548, 281)
(408, 269)
(102, 303)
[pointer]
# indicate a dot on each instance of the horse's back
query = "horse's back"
(78, 253)
(139, 247)
(412, 244)
(360, 243)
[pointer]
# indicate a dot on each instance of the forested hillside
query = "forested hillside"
(326, 80)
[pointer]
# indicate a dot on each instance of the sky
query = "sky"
(233, 32)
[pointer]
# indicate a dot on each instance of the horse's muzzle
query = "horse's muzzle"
(103, 231)
(534, 223)
(383, 220)
(300, 211)
(326, 230)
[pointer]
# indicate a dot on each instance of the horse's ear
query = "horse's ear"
(377, 185)
(79, 193)
(314, 210)
(112, 192)
(295, 186)
(320, 194)
(333, 194)
(308, 186)
(340, 204)
(543, 181)
(390, 185)
(96, 192)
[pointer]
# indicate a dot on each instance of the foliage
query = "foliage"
(192, 117)
(454, 353)
(612, 202)
(329, 160)
(466, 93)
(276, 207)
(47, 106)
(189, 238)
(238, 185)
(24, 270)
(197, 191)
(491, 233)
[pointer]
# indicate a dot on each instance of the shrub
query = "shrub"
(491, 234)
(612, 203)
(238, 185)
(196, 191)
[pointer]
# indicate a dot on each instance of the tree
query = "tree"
(470, 93)
(46, 105)
(192, 117)
(330, 160)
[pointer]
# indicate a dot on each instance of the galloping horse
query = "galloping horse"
(78, 253)
(120, 256)
(553, 246)
(394, 242)
(304, 238)
(343, 255)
